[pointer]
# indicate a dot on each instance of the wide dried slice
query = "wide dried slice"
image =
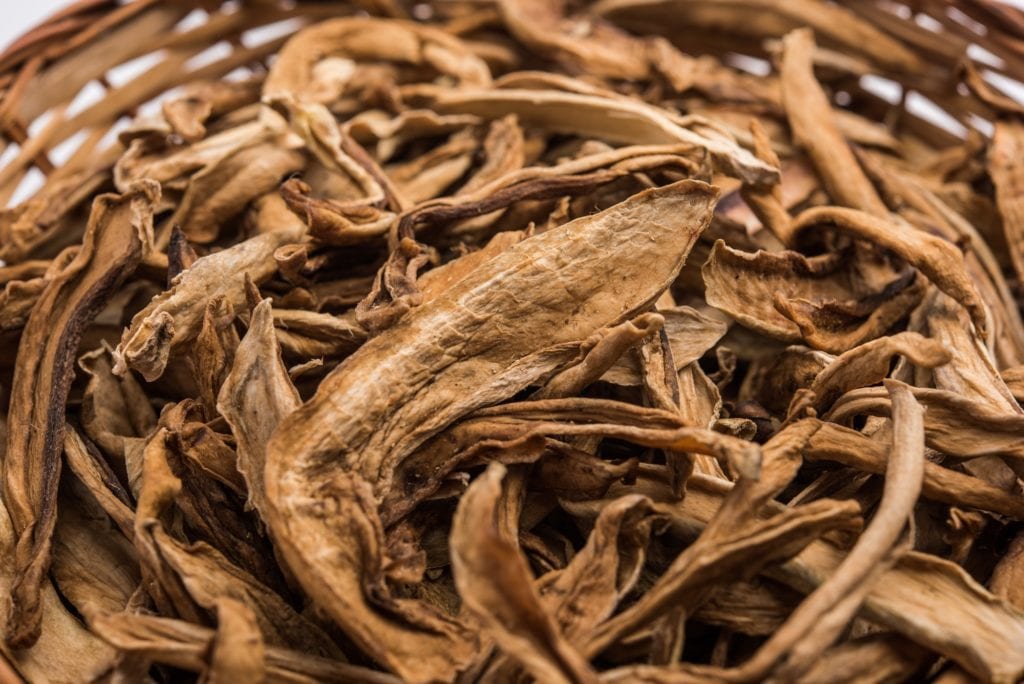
(510, 323)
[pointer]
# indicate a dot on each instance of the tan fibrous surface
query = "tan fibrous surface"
(528, 340)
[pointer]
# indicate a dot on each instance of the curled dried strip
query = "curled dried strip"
(818, 300)
(868, 364)
(587, 44)
(605, 118)
(810, 117)
(315, 64)
(119, 234)
(856, 450)
(934, 257)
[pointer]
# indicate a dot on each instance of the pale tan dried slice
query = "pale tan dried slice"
(221, 191)
(256, 395)
(93, 564)
(466, 363)
(495, 584)
(971, 371)
(934, 257)
(119, 234)
(605, 118)
(691, 333)
(175, 316)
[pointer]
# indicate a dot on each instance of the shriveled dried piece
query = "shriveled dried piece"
(314, 65)
(904, 599)
(605, 118)
(728, 539)
(395, 290)
(419, 475)
(756, 607)
(467, 362)
(115, 410)
(93, 564)
(878, 657)
(971, 371)
(767, 203)
(358, 189)
(32, 226)
(96, 476)
(733, 556)
(22, 285)
(955, 424)
(818, 300)
(188, 113)
(599, 354)
(934, 257)
(834, 326)
(810, 118)
(792, 649)
(587, 591)
(222, 190)
(174, 168)
(585, 44)
(854, 449)
(186, 645)
(503, 151)
(175, 316)
(307, 334)
(495, 584)
(194, 576)
(212, 352)
(65, 650)
(256, 395)
(117, 238)
(868, 364)
(968, 624)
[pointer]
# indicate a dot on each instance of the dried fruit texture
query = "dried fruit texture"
(630, 341)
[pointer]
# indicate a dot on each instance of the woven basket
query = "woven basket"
(69, 83)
